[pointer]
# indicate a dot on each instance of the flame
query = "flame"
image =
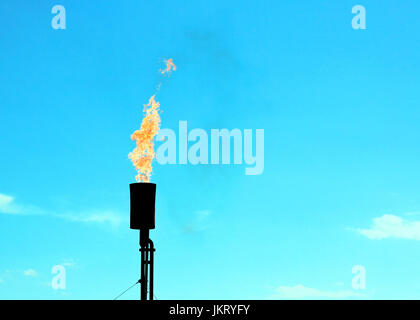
(143, 154)
(169, 65)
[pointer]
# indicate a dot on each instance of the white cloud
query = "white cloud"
(68, 263)
(414, 213)
(5, 200)
(391, 226)
(30, 273)
(198, 223)
(8, 206)
(203, 213)
(96, 217)
(301, 292)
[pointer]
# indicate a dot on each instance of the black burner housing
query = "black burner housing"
(142, 205)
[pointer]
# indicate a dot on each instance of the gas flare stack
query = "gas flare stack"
(142, 217)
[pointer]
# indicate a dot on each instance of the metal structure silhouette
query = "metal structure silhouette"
(142, 217)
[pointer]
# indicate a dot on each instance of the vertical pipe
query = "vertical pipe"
(146, 269)
(143, 275)
(143, 282)
(147, 264)
(152, 249)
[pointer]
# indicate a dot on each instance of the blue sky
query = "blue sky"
(339, 108)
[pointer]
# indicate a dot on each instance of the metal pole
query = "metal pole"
(146, 269)
(147, 263)
(152, 249)
(143, 277)
(143, 266)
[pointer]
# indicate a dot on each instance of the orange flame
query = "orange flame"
(169, 65)
(143, 154)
